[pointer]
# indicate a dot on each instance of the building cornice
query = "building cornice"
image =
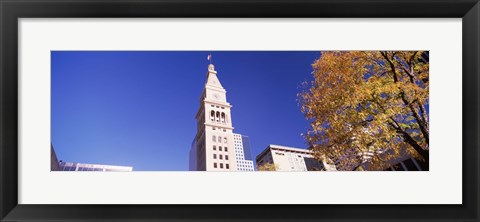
(213, 102)
(219, 126)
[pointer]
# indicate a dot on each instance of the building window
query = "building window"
(222, 117)
(213, 128)
(221, 157)
(214, 156)
(214, 138)
(225, 139)
(214, 165)
(220, 148)
(226, 157)
(221, 165)
(410, 165)
(227, 166)
(226, 148)
(214, 147)
(224, 130)
(219, 139)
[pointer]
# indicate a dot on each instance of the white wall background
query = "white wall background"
(441, 185)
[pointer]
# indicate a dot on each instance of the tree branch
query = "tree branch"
(407, 138)
(421, 124)
(392, 66)
(423, 113)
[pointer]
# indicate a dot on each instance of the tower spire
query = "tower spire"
(214, 136)
(211, 67)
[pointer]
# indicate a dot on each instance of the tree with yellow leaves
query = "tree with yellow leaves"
(366, 108)
(268, 167)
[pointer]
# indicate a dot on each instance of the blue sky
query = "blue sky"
(137, 108)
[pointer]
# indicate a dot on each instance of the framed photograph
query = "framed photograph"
(226, 110)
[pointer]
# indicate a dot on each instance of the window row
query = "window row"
(220, 156)
(240, 169)
(219, 107)
(221, 165)
(224, 130)
(218, 116)
(220, 148)
(214, 139)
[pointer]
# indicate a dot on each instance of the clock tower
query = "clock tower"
(212, 148)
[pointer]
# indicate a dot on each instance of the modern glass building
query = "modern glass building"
(243, 152)
(247, 150)
(69, 166)
(192, 160)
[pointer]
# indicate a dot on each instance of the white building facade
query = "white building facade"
(243, 151)
(213, 148)
(291, 159)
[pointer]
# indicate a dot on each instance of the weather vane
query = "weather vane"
(209, 58)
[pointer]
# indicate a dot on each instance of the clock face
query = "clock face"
(216, 96)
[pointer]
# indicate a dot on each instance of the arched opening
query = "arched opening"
(223, 117)
(212, 115)
(218, 116)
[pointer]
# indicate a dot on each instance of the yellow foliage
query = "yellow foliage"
(268, 167)
(368, 103)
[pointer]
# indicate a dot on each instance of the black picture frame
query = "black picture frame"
(12, 10)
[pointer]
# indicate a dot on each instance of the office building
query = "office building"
(402, 161)
(69, 166)
(192, 157)
(243, 153)
(407, 164)
(291, 159)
